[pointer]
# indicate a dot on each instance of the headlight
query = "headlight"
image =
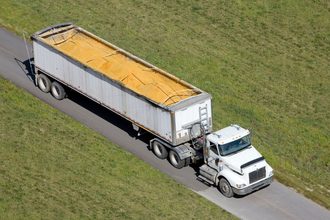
(240, 185)
(271, 173)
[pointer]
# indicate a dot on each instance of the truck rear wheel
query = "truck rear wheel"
(159, 150)
(175, 160)
(44, 83)
(57, 91)
(225, 188)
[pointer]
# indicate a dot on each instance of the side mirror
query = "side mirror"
(217, 161)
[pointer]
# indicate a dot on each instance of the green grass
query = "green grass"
(52, 167)
(266, 63)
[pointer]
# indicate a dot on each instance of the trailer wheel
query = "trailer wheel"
(159, 150)
(44, 83)
(175, 160)
(225, 188)
(57, 91)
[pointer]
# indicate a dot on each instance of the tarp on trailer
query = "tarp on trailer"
(102, 57)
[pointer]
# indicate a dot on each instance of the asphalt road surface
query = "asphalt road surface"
(274, 202)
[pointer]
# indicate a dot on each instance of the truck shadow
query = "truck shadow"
(103, 113)
(27, 67)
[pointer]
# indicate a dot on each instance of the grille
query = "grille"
(257, 175)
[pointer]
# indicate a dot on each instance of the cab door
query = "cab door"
(213, 159)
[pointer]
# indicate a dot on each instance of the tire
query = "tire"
(225, 188)
(57, 91)
(175, 160)
(159, 150)
(44, 83)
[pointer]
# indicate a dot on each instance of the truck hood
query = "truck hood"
(242, 159)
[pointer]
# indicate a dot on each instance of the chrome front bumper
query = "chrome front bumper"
(253, 187)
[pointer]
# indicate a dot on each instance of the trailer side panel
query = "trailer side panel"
(102, 89)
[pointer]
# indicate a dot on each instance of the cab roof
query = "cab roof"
(228, 134)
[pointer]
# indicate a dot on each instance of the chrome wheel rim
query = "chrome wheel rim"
(55, 91)
(42, 83)
(224, 187)
(157, 149)
(174, 159)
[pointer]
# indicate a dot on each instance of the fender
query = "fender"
(184, 151)
(232, 177)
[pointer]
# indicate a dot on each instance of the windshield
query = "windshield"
(235, 146)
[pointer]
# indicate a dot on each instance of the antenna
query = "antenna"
(27, 51)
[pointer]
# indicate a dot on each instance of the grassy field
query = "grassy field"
(266, 63)
(46, 176)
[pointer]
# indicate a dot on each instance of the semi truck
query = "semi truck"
(176, 113)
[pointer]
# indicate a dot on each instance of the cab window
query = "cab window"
(213, 148)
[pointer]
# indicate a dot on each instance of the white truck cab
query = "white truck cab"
(233, 164)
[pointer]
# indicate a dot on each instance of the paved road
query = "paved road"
(273, 202)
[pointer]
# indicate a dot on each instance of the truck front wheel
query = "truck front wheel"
(159, 150)
(225, 188)
(44, 83)
(58, 91)
(175, 160)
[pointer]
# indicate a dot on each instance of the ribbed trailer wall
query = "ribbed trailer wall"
(103, 90)
(167, 122)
